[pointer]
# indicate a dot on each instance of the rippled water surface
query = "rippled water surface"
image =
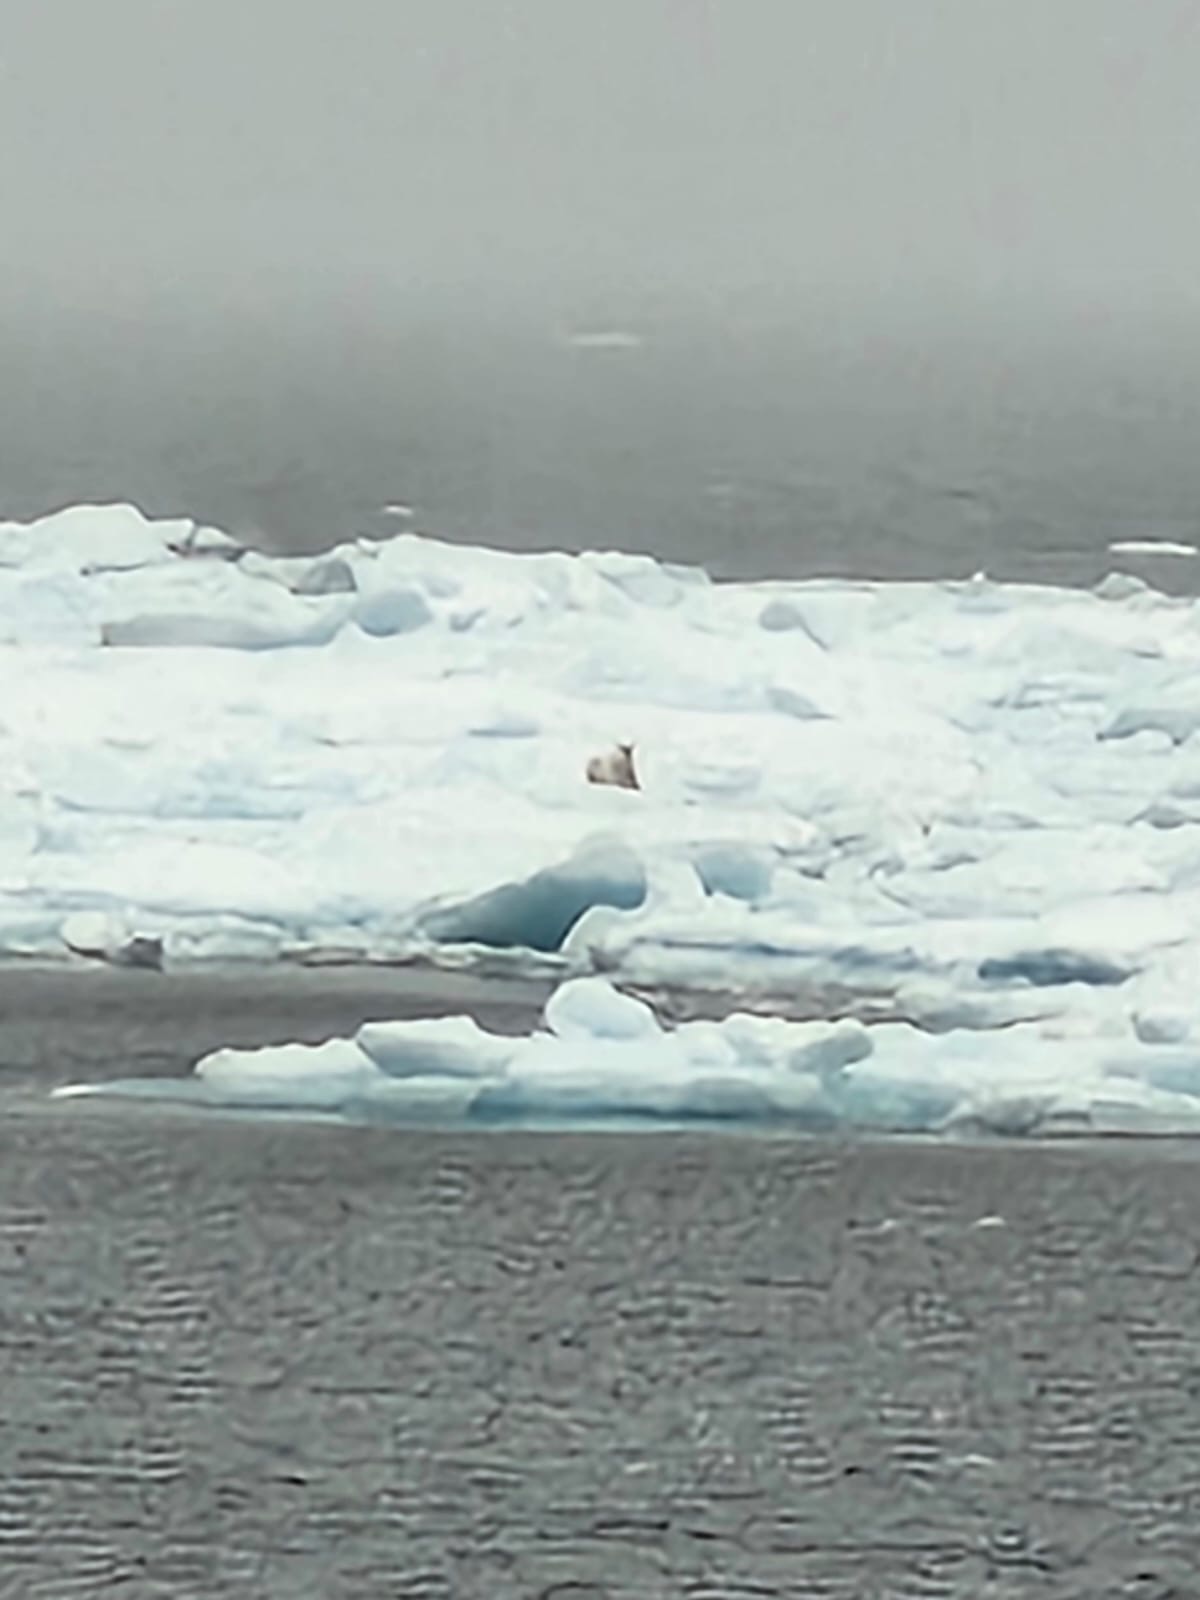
(283, 1360)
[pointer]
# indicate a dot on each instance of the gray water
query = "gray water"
(753, 439)
(303, 1361)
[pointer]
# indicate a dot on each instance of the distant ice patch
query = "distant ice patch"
(1153, 547)
(604, 339)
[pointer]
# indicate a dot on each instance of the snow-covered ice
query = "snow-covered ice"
(964, 813)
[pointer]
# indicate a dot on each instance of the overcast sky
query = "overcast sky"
(220, 147)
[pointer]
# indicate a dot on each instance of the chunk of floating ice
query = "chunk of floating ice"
(449, 1047)
(604, 339)
(604, 1055)
(322, 1077)
(590, 1008)
(1152, 547)
(1118, 586)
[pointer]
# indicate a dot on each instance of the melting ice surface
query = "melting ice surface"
(967, 815)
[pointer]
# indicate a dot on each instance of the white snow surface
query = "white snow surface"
(968, 806)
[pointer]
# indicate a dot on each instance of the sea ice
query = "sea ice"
(539, 913)
(603, 1055)
(1152, 547)
(968, 806)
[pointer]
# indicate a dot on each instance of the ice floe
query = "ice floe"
(602, 1057)
(1152, 547)
(961, 808)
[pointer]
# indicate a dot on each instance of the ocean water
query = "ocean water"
(280, 1361)
(755, 440)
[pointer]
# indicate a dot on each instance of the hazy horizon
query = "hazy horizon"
(996, 156)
